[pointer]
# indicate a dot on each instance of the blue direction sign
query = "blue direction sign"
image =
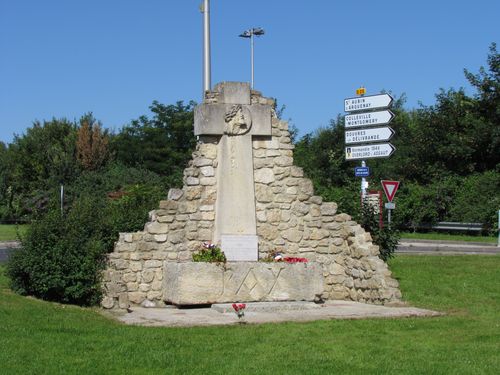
(361, 171)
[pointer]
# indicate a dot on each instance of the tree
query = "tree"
(92, 144)
(162, 144)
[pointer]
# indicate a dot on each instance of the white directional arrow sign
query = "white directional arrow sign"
(368, 135)
(364, 103)
(368, 119)
(380, 150)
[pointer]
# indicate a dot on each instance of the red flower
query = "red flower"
(295, 260)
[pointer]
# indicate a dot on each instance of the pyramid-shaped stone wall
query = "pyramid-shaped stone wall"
(290, 219)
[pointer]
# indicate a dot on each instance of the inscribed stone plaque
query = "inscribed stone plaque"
(240, 247)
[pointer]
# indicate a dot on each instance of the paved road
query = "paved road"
(432, 247)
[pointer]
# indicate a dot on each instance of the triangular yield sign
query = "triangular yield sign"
(390, 188)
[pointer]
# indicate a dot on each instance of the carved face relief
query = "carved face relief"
(238, 120)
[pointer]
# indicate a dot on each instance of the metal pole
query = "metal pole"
(207, 84)
(389, 218)
(498, 244)
(251, 54)
(363, 183)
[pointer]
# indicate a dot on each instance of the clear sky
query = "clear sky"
(63, 58)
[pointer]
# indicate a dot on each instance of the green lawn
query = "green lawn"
(10, 232)
(448, 237)
(44, 338)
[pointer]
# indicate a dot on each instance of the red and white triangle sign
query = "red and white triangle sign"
(390, 188)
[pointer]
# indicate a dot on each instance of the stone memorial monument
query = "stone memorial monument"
(242, 191)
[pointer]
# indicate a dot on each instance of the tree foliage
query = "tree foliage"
(92, 142)
(162, 144)
(441, 151)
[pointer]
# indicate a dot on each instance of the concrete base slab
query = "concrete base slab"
(174, 317)
(268, 307)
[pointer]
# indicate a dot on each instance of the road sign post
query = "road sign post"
(367, 111)
(390, 189)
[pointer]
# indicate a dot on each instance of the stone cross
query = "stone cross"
(236, 120)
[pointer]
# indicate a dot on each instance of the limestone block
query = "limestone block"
(123, 301)
(315, 211)
(169, 206)
(208, 150)
(132, 287)
(306, 187)
(264, 176)
(175, 194)
(156, 228)
(152, 263)
(203, 283)
(147, 275)
(274, 216)
(300, 208)
(263, 193)
(261, 216)
(176, 236)
(136, 297)
(207, 171)
(292, 235)
(172, 256)
(192, 283)
(267, 232)
(273, 153)
(192, 181)
(296, 171)
(202, 162)
(284, 161)
(205, 235)
(285, 198)
(160, 237)
(188, 207)
(328, 208)
(119, 264)
(129, 277)
(166, 219)
(108, 302)
(208, 181)
(272, 144)
(342, 218)
(263, 163)
(193, 192)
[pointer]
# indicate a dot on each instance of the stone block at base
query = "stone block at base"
(207, 283)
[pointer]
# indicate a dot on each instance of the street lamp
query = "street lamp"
(250, 34)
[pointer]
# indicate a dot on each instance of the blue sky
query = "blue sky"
(114, 57)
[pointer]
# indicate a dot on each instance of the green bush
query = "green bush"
(386, 238)
(478, 200)
(62, 256)
(210, 254)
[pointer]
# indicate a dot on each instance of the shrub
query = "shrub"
(386, 238)
(62, 257)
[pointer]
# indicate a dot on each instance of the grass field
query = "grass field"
(10, 232)
(37, 337)
(448, 237)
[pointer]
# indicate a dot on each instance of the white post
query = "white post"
(363, 183)
(251, 54)
(207, 84)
